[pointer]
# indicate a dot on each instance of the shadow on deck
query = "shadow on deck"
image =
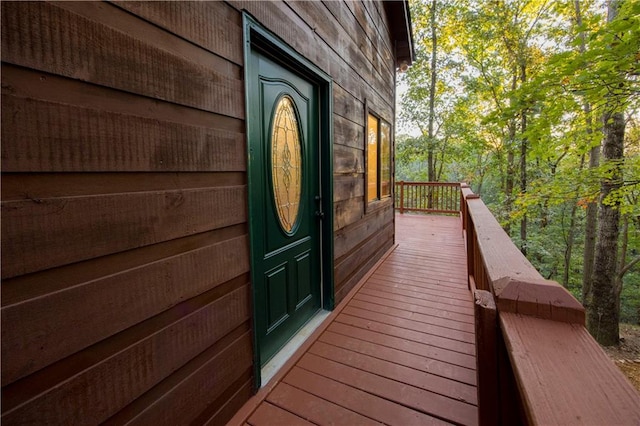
(399, 350)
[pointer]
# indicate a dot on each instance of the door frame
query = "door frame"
(258, 37)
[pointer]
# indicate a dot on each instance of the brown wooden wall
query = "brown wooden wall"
(125, 252)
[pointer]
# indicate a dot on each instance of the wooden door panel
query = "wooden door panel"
(284, 185)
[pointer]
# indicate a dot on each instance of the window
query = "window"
(378, 158)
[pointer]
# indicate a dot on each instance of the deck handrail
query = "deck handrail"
(427, 197)
(537, 363)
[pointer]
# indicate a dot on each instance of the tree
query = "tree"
(603, 313)
(521, 90)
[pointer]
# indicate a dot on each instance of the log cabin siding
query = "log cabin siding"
(125, 252)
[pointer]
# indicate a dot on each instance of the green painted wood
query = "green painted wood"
(302, 257)
(286, 262)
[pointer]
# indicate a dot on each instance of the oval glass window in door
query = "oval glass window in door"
(286, 163)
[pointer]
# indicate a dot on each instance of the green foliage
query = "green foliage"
(504, 64)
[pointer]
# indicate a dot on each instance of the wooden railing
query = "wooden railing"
(536, 362)
(429, 197)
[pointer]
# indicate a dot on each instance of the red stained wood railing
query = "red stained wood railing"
(428, 197)
(537, 364)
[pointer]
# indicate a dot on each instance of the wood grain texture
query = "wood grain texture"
(391, 370)
(43, 233)
(40, 284)
(347, 212)
(106, 385)
(362, 82)
(43, 136)
(539, 298)
(349, 264)
(362, 57)
(268, 414)
(351, 236)
(347, 160)
(347, 133)
(183, 396)
(99, 308)
(407, 311)
(358, 400)
(588, 390)
(231, 405)
(91, 49)
(394, 337)
(348, 186)
(315, 409)
(368, 16)
(192, 21)
(400, 356)
(347, 286)
(393, 390)
(37, 84)
(22, 186)
(348, 106)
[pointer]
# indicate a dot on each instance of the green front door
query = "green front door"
(284, 201)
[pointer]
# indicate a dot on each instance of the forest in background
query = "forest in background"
(535, 103)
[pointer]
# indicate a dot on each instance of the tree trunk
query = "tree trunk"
(591, 221)
(591, 224)
(431, 171)
(603, 314)
(622, 258)
(511, 169)
(523, 167)
(569, 246)
(570, 239)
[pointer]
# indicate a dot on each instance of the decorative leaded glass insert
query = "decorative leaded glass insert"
(286, 163)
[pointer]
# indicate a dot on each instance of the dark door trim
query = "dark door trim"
(259, 38)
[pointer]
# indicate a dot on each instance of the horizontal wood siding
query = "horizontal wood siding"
(124, 200)
(125, 251)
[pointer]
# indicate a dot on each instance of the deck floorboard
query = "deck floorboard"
(399, 350)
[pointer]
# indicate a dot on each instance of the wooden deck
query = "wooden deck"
(399, 350)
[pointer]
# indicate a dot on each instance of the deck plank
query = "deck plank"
(397, 372)
(405, 344)
(423, 289)
(409, 312)
(268, 414)
(401, 357)
(380, 299)
(438, 298)
(400, 349)
(315, 409)
(395, 327)
(359, 401)
(396, 391)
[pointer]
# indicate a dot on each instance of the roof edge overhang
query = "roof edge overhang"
(401, 31)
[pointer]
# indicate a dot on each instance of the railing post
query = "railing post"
(463, 205)
(486, 323)
(473, 254)
(401, 196)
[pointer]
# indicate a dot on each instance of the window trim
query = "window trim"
(379, 201)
